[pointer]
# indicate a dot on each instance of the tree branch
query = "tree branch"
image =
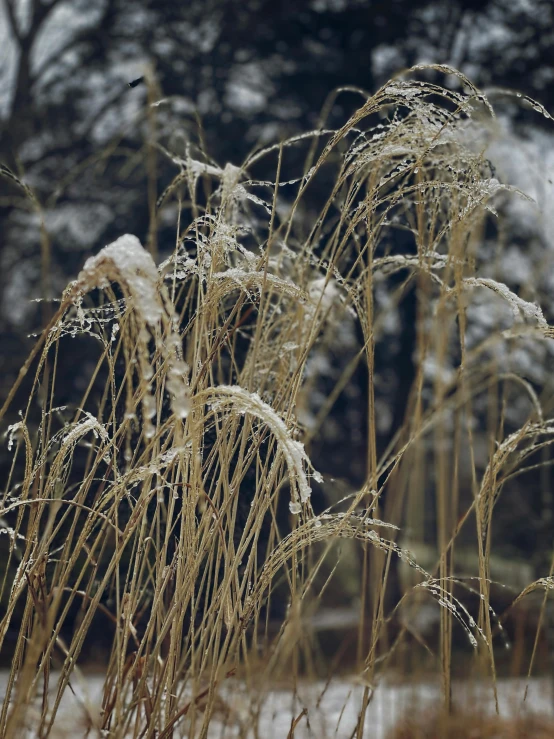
(39, 16)
(10, 12)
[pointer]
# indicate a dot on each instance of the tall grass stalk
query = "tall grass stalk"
(154, 505)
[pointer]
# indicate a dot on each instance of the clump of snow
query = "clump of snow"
(89, 423)
(125, 260)
(518, 305)
(13, 432)
(293, 451)
(177, 385)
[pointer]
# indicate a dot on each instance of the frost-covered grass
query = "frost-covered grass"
(154, 503)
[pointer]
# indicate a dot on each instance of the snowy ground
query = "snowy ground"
(331, 711)
(336, 714)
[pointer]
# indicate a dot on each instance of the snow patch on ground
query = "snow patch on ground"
(331, 711)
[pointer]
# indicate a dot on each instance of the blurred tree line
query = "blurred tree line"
(234, 75)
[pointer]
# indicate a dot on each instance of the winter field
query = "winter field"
(177, 516)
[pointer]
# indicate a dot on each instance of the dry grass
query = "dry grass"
(461, 725)
(153, 503)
